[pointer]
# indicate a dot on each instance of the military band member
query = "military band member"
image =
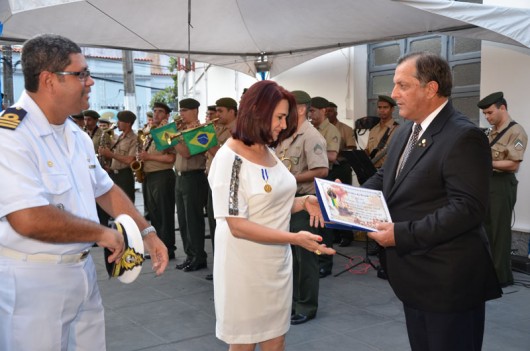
(317, 116)
(380, 135)
(508, 142)
(191, 192)
(342, 169)
(99, 137)
(123, 153)
(304, 154)
(159, 182)
(79, 119)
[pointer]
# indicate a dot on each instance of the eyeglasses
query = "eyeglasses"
(82, 75)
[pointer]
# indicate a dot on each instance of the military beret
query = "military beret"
(149, 114)
(211, 108)
(319, 102)
(388, 99)
(189, 103)
(332, 104)
(226, 102)
(162, 105)
(490, 100)
(301, 97)
(91, 113)
(79, 116)
(126, 116)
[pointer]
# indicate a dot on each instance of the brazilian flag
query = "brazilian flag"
(162, 136)
(200, 139)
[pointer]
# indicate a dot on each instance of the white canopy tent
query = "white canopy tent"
(237, 33)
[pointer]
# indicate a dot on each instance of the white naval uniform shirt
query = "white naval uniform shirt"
(36, 171)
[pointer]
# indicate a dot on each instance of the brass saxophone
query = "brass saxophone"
(137, 166)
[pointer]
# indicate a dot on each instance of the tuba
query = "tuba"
(137, 166)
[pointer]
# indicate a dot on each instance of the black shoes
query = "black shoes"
(209, 277)
(183, 264)
(300, 319)
(192, 267)
(381, 274)
(323, 273)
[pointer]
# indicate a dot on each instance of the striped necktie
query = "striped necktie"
(411, 144)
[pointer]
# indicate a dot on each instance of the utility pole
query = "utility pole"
(7, 59)
(129, 85)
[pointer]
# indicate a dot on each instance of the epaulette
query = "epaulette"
(12, 117)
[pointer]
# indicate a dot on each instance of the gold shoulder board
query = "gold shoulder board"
(12, 117)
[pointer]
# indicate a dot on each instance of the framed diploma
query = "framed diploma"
(349, 207)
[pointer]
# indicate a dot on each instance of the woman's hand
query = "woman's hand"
(311, 242)
(313, 208)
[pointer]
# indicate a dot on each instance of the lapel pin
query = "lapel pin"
(423, 143)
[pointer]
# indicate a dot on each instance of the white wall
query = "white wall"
(339, 76)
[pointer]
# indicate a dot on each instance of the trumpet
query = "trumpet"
(168, 137)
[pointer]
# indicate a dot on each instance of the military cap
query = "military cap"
(149, 114)
(388, 99)
(301, 97)
(91, 113)
(126, 116)
(79, 116)
(226, 102)
(332, 104)
(490, 100)
(319, 102)
(105, 119)
(189, 103)
(211, 107)
(162, 105)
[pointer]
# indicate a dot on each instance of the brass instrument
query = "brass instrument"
(137, 166)
(104, 142)
(170, 136)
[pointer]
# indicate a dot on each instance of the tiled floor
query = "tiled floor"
(175, 312)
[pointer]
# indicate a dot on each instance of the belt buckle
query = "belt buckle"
(84, 255)
(179, 173)
(116, 171)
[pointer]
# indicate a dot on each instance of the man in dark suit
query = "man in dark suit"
(436, 251)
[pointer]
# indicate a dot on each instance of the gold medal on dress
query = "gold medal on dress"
(267, 187)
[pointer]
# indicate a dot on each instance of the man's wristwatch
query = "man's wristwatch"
(147, 230)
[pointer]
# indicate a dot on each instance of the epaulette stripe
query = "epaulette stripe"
(12, 117)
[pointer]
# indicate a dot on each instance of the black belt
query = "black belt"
(186, 173)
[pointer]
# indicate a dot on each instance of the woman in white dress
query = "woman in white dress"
(253, 198)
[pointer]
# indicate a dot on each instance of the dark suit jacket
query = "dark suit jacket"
(441, 261)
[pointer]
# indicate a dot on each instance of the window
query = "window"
(463, 55)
